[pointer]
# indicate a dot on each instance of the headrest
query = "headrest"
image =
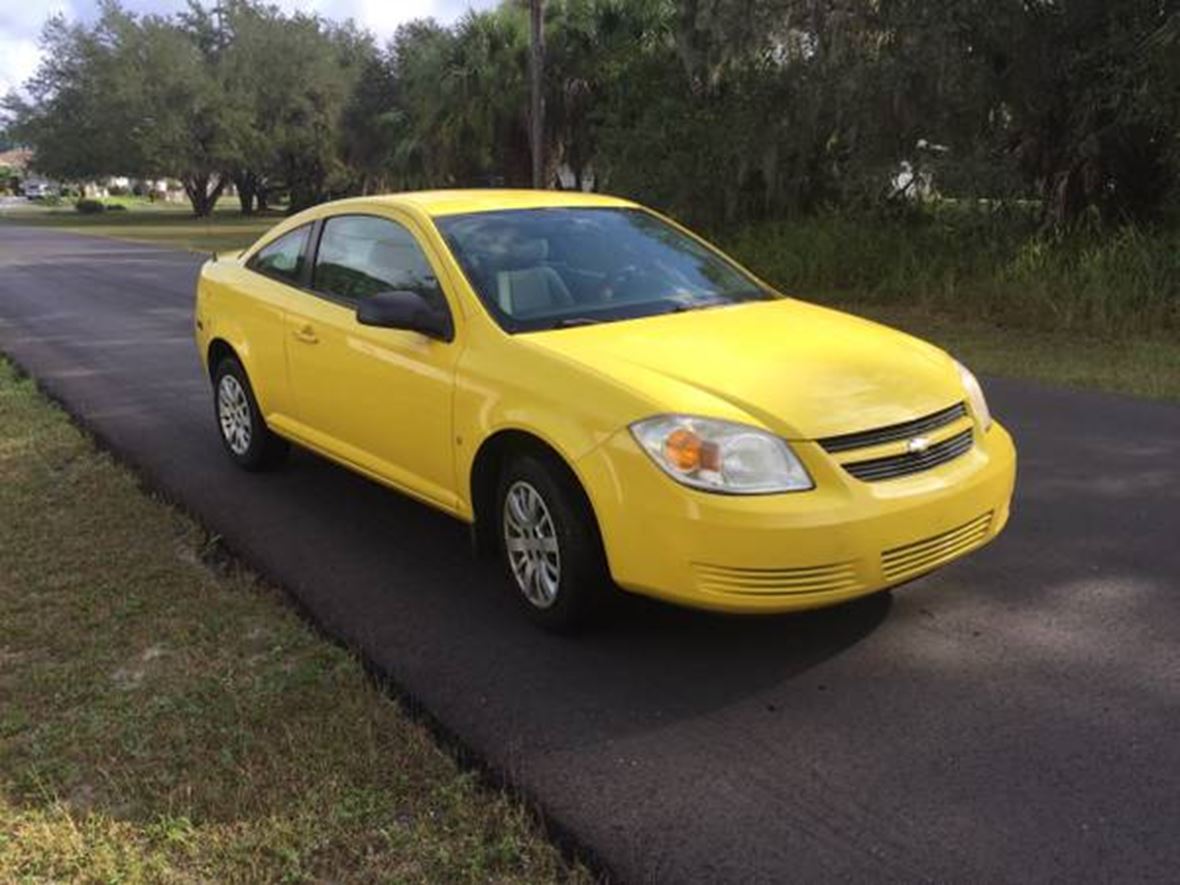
(528, 253)
(507, 249)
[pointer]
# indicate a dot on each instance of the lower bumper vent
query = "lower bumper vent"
(777, 582)
(911, 559)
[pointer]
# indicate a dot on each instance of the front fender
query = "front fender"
(514, 388)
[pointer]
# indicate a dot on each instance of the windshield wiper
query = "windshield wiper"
(685, 306)
(569, 322)
(725, 301)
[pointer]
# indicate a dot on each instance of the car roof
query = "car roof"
(454, 202)
(438, 203)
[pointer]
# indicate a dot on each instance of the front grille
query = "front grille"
(830, 578)
(893, 466)
(865, 438)
(921, 556)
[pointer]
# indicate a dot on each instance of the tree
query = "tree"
(126, 96)
(462, 108)
(80, 100)
(1083, 95)
(722, 111)
(239, 91)
(372, 126)
(287, 82)
(185, 126)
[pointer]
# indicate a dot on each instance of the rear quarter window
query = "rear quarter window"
(283, 258)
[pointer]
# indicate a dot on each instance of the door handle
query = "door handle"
(306, 334)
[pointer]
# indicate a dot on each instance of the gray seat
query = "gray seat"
(531, 290)
(525, 285)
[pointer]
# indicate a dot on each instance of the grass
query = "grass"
(991, 266)
(163, 720)
(163, 224)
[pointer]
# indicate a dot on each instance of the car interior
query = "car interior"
(563, 263)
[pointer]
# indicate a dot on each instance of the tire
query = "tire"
(560, 576)
(248, 441)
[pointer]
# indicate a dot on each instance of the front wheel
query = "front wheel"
(550, 544)
(244, 433)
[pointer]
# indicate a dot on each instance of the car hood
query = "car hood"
(803, 371)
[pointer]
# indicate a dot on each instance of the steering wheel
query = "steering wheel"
(615, 281)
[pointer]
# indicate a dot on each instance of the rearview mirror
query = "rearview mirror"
(405, 310)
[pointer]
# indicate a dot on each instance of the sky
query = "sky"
(21, 21)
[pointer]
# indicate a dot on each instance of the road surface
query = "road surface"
(1013, 717)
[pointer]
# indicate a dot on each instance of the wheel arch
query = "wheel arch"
(493, 453)
(218, 350)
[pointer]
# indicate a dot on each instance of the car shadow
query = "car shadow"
(406, 584)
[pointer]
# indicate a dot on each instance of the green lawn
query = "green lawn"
(1144, 364)
(165, 718)
(165, 224)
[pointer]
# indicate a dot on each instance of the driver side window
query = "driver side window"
(360, 255)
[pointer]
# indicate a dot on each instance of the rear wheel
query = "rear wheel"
(247, 439)
(550, 544)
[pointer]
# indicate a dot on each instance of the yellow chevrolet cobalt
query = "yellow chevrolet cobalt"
(607, 399)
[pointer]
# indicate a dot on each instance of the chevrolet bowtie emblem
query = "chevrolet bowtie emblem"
(917, 445)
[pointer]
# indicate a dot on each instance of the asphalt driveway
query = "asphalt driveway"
(1013, 717)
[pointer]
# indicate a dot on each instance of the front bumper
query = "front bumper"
(786, 552)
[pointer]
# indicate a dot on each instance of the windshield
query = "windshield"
(550, 268)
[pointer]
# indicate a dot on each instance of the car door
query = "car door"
(263, 290)
(379, 399)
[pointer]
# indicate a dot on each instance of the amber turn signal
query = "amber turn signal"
(688, 452)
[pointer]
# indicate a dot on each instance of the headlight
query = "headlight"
(975, 397)
(720, 456)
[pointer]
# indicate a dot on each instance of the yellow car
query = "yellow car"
(605, 398)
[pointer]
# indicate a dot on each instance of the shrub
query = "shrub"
(116, 207)
(90, 207)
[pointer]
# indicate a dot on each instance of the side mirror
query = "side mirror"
(405, 310)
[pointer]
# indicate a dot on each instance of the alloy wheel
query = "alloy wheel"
(530, 540)
(233, 411)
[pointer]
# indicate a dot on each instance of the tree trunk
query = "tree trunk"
(247, 185)
(200, 196)
(1063, 198)
(536, 103)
